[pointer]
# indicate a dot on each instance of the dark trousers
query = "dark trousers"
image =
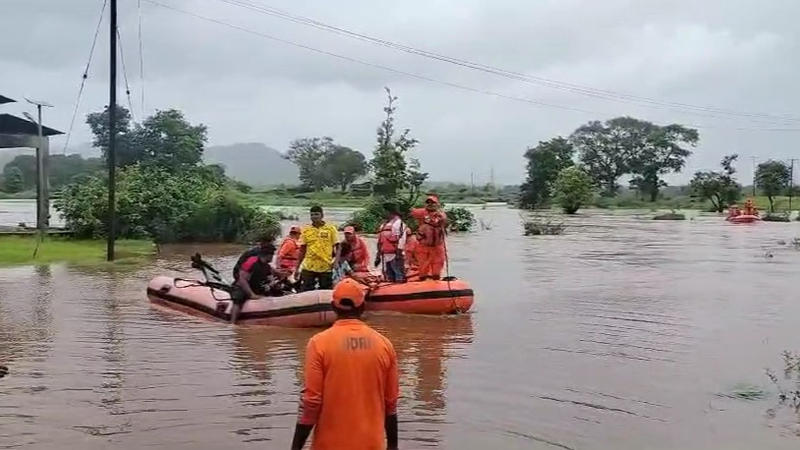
(309, 280)
(395, 270)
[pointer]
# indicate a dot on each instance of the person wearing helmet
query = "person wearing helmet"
(430, 251)
(289, 251)
(351, 383)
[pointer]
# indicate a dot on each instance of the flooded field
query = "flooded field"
(624, 333)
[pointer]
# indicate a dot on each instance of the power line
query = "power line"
(550, 83)
(141, 55)
(84, 77)
(405, 73)
(125, 74)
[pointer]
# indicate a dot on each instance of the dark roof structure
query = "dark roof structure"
(14, 125)
(4, 99)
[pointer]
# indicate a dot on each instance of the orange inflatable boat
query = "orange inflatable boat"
(422, 297)
(306, 309)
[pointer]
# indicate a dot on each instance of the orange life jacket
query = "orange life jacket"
(288, 254)
(430, 232)
(387, 241)
(359, 256)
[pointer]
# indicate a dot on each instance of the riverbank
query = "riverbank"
(18, 250)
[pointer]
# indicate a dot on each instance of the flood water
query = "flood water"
(623, 333)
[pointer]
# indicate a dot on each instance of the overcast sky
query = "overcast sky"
(738, 55)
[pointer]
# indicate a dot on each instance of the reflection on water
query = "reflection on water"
(620, 334)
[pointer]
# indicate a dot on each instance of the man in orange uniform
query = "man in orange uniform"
(351, 382)
(289, 252)
(430, 250)
(354, 250)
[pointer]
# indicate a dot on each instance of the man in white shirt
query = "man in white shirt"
(391, 244)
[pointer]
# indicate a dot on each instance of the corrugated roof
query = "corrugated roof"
(14, 125)
(4, 99)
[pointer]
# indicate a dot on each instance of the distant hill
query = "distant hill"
(253, 163)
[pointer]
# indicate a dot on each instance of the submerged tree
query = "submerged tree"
(308, 154)
(342, 166)
(626, 145)
(545, 161)
(573, 189)
(772, 178)
(720, 188)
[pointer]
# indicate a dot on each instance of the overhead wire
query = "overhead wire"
(406, 73)
(84, 77)
(125, 74)
(541, 81)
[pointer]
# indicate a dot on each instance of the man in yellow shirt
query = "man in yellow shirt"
(317, 242)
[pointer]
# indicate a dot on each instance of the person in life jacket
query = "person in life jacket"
(412, 265)
(430, 252)
(749, 208)
(354, 250)
(289, 251)
(391, 244)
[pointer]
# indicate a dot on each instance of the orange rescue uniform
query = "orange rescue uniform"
(351, 385)
(430, 253)
(288, 254)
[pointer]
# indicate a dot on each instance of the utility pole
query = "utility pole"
(42, 166)
(112, 133)
(791, 182)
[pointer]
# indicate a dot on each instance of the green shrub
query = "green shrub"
(538, 226)
(153, 203)
(670, 216)
(776, 217)
(459, 219)
(573, 189)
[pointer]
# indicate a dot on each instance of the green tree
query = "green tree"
(720, 188)
(545, 161)
(168, 141)
(13, 180)
(342, 166)
(389, 159)
(772, 178)
(62, 168)
(573, 189)
(662, 151)
(627, 145)
(309, 155)
(26, 164)
(165, 139)
(126, 152)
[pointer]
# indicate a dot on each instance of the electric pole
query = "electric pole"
(112, 133)
(791, 183)
(42, 166)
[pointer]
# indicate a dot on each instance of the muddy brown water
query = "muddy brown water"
(624, 333)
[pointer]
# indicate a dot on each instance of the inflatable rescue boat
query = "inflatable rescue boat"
(422, 297)
(743, 218)
(305, 309)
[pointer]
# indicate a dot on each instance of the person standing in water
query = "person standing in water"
(351, 383)
(317, 243)
(391, 244)
(430, 251)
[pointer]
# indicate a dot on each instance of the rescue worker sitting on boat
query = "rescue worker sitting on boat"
(354, 251)
(749, 208)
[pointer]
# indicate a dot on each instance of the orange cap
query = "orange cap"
(432, 198)
(294, 229)
(349, 229)
(348, 289)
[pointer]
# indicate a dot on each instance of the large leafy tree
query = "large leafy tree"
(309, 155)
(389, 164)
(772, 178)
(168, 141)
(720, 188)
(342, 166)
(165, 140)
(626, 145)
(545, 161)
(663, 151)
